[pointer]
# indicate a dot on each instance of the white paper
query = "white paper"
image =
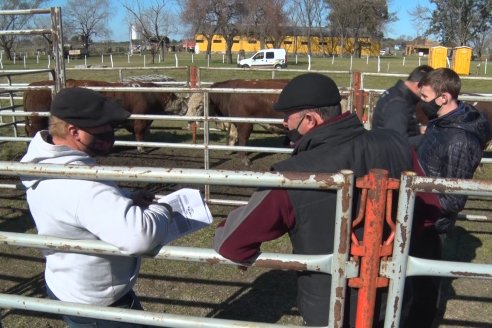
(190, 213)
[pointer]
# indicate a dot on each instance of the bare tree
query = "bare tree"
(87, 19)
(155, 21)
(310, 15)
(214, 17)
(201, 17)
(15, 22)
(421, 17)
(359, 18)
(267, 21)
(230, 18)
(480, 41)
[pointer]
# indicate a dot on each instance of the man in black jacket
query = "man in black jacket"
(395, 108)
(325, 141)
(451, 148)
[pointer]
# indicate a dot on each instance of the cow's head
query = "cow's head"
(194, 106)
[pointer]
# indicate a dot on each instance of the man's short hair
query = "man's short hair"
(57, 127)
(419, 72)
(327, 112)
(443, 80)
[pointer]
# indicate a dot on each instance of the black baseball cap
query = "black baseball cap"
(86, 108)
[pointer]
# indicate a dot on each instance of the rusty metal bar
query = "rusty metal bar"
(423, 267)
(301, 180)
(318, 263)
(57, 35)
(123, 315)
(341, 251)
(342, 181)
(401, 246)
(401, 265)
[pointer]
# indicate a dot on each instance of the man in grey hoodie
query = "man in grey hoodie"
(81, 126)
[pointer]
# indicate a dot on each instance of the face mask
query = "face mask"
(430, 108)
(294, 134)
(101, 143)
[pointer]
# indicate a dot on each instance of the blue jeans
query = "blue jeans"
(128, 301)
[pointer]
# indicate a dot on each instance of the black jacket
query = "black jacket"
(395, 110)
(452, 148)
(343, 144)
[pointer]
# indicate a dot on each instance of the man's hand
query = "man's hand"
(143, 198)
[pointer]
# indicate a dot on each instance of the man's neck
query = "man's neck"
(413, 86)
(448, 108)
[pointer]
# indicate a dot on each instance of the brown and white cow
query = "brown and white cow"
(235, 104)
(134, 102)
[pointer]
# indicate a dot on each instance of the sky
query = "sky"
(404, 26)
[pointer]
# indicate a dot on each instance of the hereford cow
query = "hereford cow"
(194, 107)
(134, 102)
(252, 105)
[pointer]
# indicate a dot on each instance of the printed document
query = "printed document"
(190, 213)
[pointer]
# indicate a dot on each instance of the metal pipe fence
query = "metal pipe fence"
(397, 267)
(401, 265)
(335, 264)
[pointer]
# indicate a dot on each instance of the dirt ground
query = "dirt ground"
(224, 291)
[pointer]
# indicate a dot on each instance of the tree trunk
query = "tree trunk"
(209, 45)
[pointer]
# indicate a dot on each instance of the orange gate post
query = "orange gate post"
(375, 207)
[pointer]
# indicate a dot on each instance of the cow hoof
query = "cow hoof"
(141, 150)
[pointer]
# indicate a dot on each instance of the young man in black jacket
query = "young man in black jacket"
(451, 148)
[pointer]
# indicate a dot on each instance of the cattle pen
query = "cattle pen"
(170, 320)
(340, 265)
(187, 284)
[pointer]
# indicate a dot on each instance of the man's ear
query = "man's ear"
(309, 117)
(73, 131)
(445, 98)
(314, 118)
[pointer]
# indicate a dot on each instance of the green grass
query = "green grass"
(167, 67)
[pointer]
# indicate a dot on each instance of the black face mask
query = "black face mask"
(101, 143)
(430, 108)
(294, 134)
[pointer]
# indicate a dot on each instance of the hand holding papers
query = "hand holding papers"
(190, 213)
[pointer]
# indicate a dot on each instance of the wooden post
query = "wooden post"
(193, 82)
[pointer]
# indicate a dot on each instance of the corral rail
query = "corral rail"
(396, 268)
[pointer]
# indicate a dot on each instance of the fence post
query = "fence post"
(193, 81)
(371, 249)
(358, 96)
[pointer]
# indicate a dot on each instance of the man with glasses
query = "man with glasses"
(325, 140)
